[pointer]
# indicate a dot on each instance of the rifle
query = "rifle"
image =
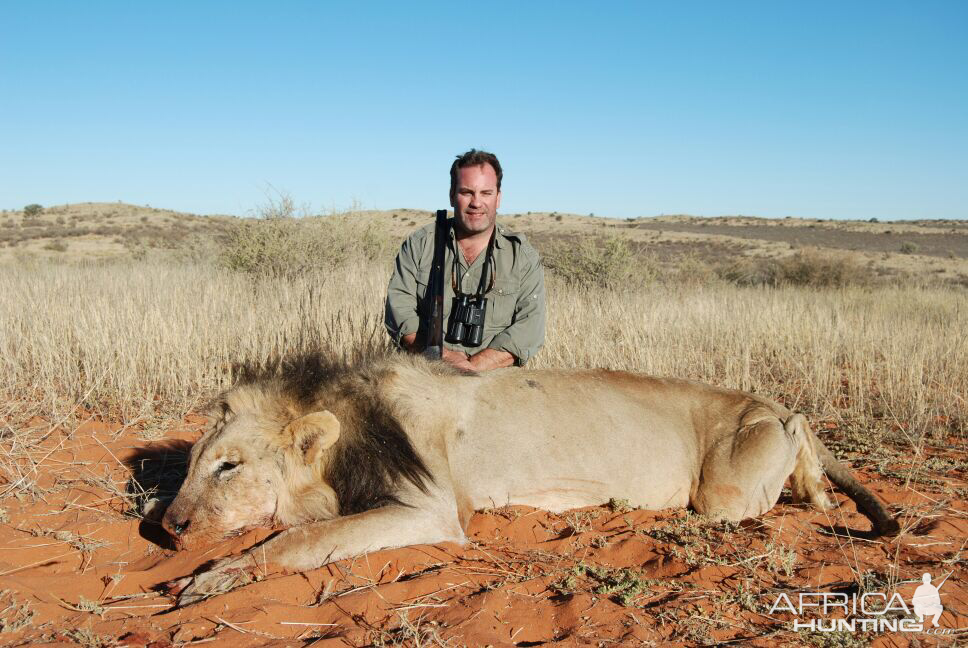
(433, 327)
(938, 586)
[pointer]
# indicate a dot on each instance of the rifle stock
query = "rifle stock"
(434, 328)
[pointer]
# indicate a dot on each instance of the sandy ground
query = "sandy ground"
(77, 567)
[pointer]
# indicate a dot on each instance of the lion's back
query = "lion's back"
(559, 439)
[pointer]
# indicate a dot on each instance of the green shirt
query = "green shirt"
(515, 316)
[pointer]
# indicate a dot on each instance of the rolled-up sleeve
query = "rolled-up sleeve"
(526, 334)
(400, 314)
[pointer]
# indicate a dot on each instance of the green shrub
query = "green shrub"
(609, 262)
(32, 210)
(56, 245)
(809, 268)
(290, 247)
(691, 270)
(909, 248)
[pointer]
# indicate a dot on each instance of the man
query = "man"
(481, 259)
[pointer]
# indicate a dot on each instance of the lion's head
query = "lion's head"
(285, 450)
(260, 465)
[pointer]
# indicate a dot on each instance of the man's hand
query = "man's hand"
(481, 361)
(454, 358)
(457, 359)
(409, 342)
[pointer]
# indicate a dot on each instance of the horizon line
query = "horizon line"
(307, 212)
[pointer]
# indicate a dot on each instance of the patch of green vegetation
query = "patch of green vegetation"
(699, 539)
(291, 247)
(782, 558)
(620, 505)
(89, 638)
(746, 597)
(57, 245)
(859, 440)
(689, 528)
(610, 262)
(580, 521)
(945, 464)
(873, 581)
(838, 639)
(807, 268)
(14, 616)
(87, 605)
(565, 585)
(622, 585)
(76, 541)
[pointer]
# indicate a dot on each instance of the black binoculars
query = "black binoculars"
(466, 324)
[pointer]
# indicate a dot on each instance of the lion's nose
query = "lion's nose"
(180, 527)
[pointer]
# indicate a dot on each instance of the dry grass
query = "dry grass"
(136, 339)
(852, 353)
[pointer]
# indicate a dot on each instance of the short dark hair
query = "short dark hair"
(473, 158)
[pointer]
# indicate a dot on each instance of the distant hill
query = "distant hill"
(103, 230)
(935, 249)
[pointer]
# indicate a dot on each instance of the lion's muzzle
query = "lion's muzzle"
(176, 526)
(177, 521)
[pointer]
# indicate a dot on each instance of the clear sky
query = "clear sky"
(813, 109)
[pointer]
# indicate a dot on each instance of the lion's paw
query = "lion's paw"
(218, 580)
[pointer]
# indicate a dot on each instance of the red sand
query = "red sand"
(89, 573)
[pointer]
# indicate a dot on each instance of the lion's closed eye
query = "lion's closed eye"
(226, 469)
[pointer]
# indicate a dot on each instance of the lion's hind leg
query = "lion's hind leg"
(807, 481)
(743, 473)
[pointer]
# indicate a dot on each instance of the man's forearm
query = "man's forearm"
(491, 359)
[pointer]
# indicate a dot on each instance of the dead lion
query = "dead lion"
(403, 451)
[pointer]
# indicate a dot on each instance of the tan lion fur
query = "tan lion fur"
(402, 451)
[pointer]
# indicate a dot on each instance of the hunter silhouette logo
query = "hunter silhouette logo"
(927, 600)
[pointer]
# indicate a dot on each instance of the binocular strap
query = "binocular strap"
(488, 264)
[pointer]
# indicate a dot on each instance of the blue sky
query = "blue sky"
(823, 109)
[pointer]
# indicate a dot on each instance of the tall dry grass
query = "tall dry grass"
(151, 338)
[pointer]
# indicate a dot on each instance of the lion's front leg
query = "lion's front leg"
(318, 543)
(223, 576)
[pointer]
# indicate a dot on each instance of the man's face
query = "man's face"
(477, 199)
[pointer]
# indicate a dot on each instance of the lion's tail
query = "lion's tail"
(807, 478)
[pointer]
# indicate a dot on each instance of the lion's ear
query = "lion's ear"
(217, 412)
(313, 433)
